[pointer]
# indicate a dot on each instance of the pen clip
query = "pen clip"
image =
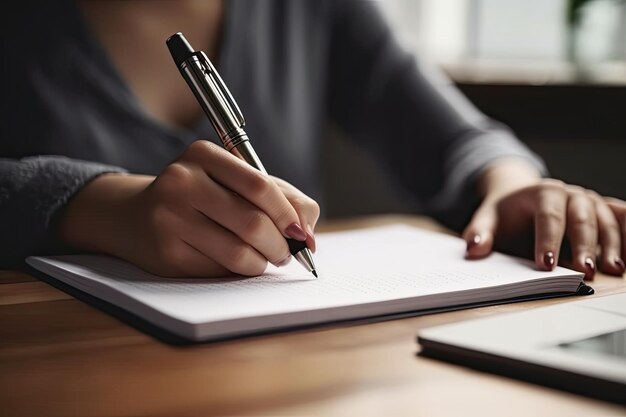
(223, 90)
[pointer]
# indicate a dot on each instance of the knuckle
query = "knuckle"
(178, 255)
(242, 260)
(581, 198)
(305, 204)
(281, 260)
(162, 217)
(200, 148)
(316, 208)
(551, 186)
(300, 203)
(237, 257)
(594, 196)
(177, 171)
(576, 190)
(553, 183)
(582, 218)
(173, 253)
(550, 214)
(251, 270)
(175, 177)
(255, 223)
(257, 269)
(259, 185)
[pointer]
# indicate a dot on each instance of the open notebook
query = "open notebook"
(364, 273)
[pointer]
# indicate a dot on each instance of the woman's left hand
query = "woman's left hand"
(532, 216)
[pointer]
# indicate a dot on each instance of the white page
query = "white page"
(355, 267)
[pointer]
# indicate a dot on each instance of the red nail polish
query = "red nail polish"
(591, 269)
(294, 231)
(548, 260)
(473, 242)
(620, 264)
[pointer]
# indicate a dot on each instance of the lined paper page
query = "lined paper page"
(355, 267)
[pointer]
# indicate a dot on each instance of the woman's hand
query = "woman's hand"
(207, 214)
(526, 215)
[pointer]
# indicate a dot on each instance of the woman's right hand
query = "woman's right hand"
(207, 214)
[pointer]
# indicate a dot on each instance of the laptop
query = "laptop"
(578, 346)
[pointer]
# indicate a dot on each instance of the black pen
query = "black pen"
(225, 116)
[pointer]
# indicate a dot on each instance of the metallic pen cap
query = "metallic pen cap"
(210, 90)
(179, 48)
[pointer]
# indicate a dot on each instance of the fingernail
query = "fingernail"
(620, 264)
(294, 231)
(548, 260)
(591, 269)
(474, 241)
(283, 261)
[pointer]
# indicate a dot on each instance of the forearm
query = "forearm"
(32, 191)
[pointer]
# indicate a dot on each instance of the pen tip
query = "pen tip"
(314, 273)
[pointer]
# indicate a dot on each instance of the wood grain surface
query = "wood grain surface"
(62, 357)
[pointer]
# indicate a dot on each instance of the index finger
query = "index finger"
(248, 182)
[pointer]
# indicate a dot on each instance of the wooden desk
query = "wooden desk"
(61, 357)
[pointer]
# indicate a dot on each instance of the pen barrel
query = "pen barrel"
(214, 103)
(225, 116)
(245, 151)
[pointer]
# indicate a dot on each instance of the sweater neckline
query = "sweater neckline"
(185, 134)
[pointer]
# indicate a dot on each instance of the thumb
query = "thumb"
(480, 231)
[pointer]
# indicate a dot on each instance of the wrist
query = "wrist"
(506, 175)
(100, 217)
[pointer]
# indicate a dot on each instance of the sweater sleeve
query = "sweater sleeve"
(411, 117)
(32, 190)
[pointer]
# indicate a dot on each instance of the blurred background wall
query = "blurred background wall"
(552, 70)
